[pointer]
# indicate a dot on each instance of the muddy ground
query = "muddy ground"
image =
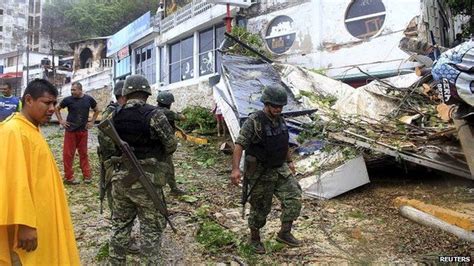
(361, 226)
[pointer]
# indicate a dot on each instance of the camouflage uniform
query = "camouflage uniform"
(165, 99)
(277, 181)
(106, 148)
(172, 118)
(129, 202)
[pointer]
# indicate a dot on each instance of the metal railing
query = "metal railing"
(190, 10)
(106, 62)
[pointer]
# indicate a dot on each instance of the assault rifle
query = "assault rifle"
(102, 184)
(250, 167)
(136, 172)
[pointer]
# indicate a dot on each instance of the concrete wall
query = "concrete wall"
(323, 42)
(15, 24)
(96, 47)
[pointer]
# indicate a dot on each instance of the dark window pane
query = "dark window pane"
(364, 7)
(148, 53)
(175, 74)
(162, 64)
(206, 63)
(187, 48)
(187, 69)
(137, 59)
(175, 52)
(218, 62)
(219, 35)
(206, 40)
(143, 55)
(365, 18)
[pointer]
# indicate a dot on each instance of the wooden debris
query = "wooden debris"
(444, 111)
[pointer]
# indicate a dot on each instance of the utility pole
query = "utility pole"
(28, 38)
(16, 72)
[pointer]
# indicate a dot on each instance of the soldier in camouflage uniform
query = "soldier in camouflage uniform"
(268, 168)
(165, 99)
(106, 147)
(149, 133)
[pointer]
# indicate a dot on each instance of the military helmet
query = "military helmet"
(165, 97)
(136, 83)
(118, 88)
(274, 94)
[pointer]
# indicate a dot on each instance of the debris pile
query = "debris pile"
(399, 116)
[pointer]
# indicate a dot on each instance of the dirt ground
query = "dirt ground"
(361, 226)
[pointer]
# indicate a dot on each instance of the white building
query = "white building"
(16, 72)
(178, 52)
(18, 18)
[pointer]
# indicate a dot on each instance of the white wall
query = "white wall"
(323, 42)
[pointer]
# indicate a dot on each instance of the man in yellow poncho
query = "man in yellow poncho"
(35, 226)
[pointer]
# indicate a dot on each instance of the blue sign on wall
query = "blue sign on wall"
(1, 69)
(129, 34)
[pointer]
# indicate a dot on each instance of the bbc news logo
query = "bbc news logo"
(450, 259)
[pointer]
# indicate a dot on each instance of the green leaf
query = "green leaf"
(189, 199)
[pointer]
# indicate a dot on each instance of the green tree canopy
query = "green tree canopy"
(94, 18)
(463, 7)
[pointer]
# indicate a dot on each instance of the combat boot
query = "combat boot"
(177, 192)
(285, 236)
(255, 241)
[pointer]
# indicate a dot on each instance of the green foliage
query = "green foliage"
(272, 246)
(320, 71)
(325, 101)
(463, 7)
(214, 237)
(206, 156)
(197, 117)
(358, 214)
(202, 212)
(460, 6)
(103, 252)
(251, 39)
(92, 18)
(189, 198)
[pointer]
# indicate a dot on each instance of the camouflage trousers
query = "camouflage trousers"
(170, 177)
(286, 189)
(129, 202)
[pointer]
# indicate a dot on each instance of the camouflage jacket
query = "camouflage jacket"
(106, 147)
(171, 116)
(250, 133)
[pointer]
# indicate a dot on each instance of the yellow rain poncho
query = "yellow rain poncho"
(32, 194)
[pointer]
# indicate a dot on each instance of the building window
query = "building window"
(162, 65)
(31, 6)
(206, 52)
(37, 22)
(122, 67)
(1, 11)
(36, 38)
(365, 18)
(220, 30)
(145, 62)
(209, 40)
(181, 65)
(1, 28)
(37, 6)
